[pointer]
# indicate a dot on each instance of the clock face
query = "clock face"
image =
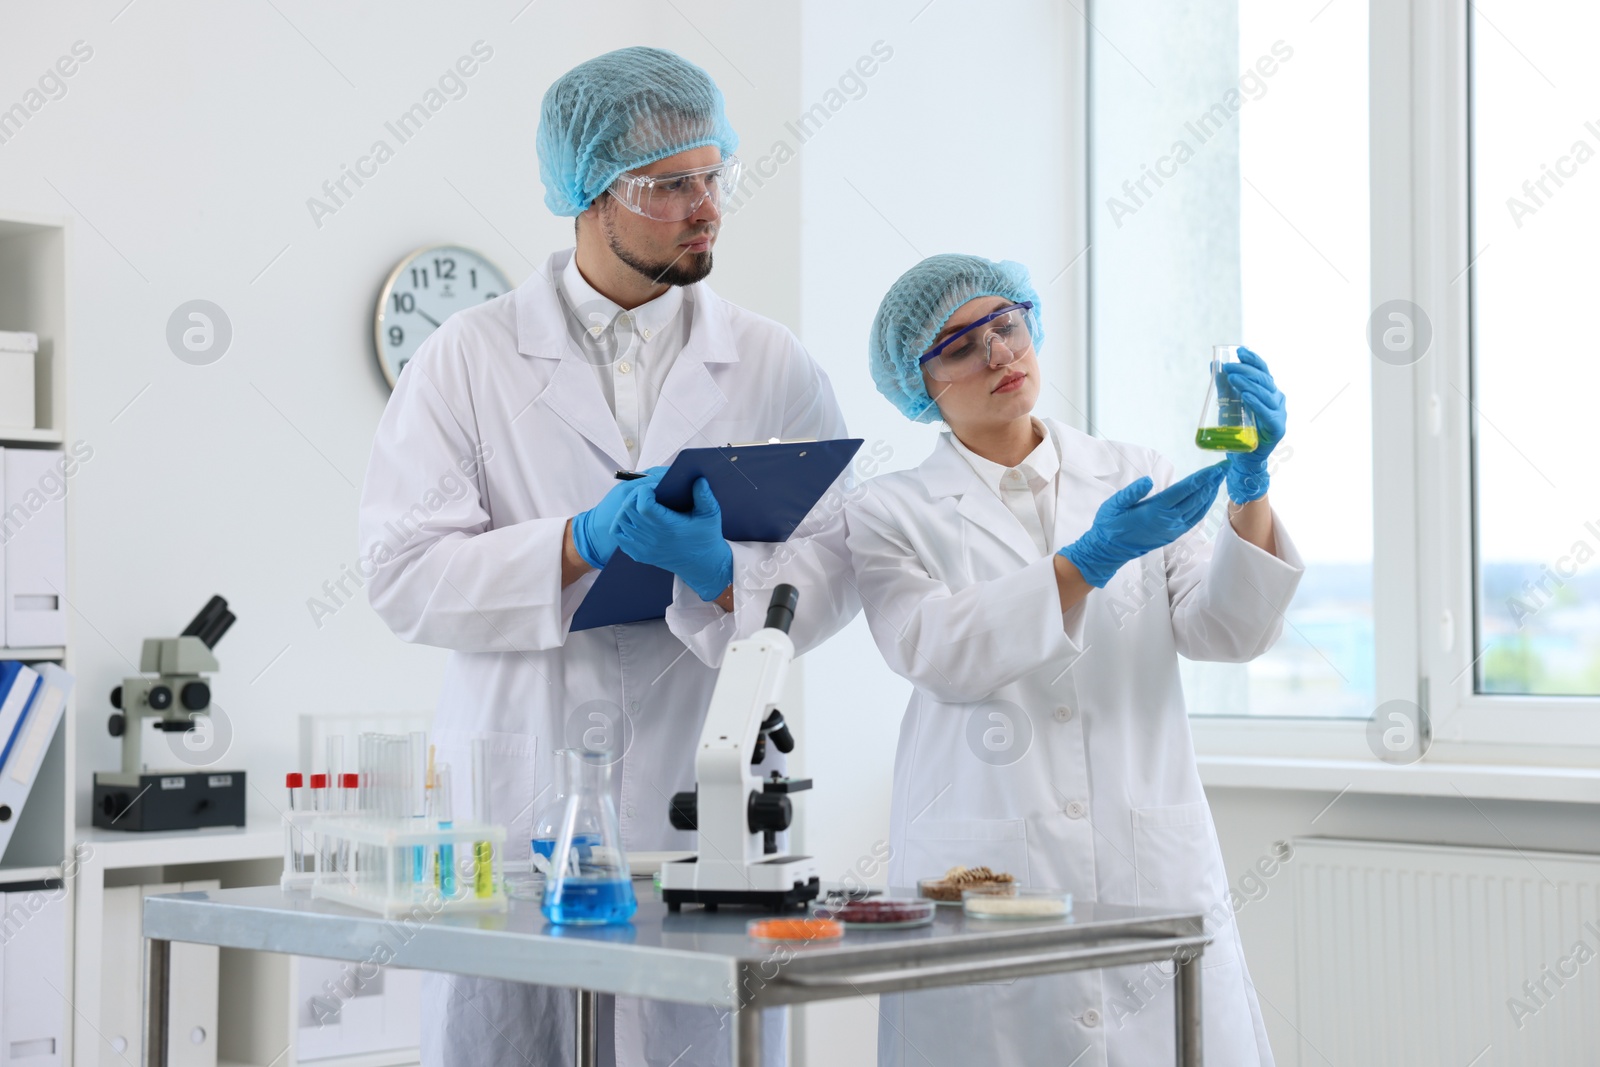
(427, 287)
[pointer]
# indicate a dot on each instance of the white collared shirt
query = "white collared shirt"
(1028, 490)
(631, 351)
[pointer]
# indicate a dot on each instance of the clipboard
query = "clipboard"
(765, 491)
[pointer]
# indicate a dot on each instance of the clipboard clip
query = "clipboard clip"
(771, 441)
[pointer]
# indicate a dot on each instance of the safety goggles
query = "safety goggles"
(675, 197)
(992, 341)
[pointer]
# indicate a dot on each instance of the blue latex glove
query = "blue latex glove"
(689, 545)
(1247, 471)
(594, 532)
(1128, 525)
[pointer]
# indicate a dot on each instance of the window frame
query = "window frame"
(1424, 575)
(1461, 713)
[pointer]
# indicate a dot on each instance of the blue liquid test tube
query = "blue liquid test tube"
(442, 811)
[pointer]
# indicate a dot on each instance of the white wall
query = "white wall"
(185, 149)
(955, 145)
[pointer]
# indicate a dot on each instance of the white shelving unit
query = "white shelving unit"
(256, 991)
(33, 296)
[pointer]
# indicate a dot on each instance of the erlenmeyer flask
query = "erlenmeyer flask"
(1226, 425)
(589, 881)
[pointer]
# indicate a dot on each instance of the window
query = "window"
(1228, 173)
(1535, 208)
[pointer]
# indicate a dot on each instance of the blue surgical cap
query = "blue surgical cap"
(620, 111)
(915, 309)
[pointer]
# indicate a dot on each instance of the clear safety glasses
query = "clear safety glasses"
(993, 341)
(675, 197)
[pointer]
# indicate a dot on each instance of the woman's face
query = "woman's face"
(1002, 392)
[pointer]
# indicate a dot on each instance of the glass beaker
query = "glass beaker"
(589, 883)
(1226, 425)
(547, 821)
(546, 827)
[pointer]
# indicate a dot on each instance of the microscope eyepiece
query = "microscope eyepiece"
(780, 609)
(211, 623)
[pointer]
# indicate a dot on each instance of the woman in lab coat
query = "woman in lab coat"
(1038, 600)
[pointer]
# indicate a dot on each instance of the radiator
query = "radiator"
(1421, 955)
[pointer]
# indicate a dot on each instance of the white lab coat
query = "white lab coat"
(1057, 747)
(500, 391)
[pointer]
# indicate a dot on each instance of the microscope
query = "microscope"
(737, 813)
(172, 692)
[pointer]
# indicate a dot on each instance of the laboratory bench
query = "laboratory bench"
(691, 956)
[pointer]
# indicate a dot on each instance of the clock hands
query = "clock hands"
(429, 317)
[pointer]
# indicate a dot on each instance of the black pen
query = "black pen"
(629, 476)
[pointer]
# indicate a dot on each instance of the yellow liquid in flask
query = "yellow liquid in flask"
(1227, 438)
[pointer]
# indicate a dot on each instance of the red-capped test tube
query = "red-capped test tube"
(295, 783)
(320, 802)
(349, 785)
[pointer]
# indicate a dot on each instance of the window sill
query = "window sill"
(1570, 785)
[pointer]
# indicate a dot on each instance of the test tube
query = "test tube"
(319, 802)
(420, 763)
(364, 768)
(335, 759)
(295, 782)
(442, 812)
(482, 851)
(350, 786)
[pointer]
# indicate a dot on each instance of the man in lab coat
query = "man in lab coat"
(614, 356)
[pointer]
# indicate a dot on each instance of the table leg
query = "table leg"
(1187, 998)
(747, 1037)
(157, 978)
(586, 1043)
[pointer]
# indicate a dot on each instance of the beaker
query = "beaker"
(547, 820)
(589, 883)
(1226, 425)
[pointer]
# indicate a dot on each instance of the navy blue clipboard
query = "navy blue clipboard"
(764, 492)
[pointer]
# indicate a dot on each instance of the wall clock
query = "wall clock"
(423, 290)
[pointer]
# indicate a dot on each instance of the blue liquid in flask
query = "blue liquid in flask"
(590, 901)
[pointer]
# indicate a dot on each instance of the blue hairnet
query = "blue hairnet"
(620, 111)
(915, 309)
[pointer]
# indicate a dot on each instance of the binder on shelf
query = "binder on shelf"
(33, 972)
(17, 351)
(765, 491)
(192, 1006)
(28, 742)
(18, 683)
(33, 529)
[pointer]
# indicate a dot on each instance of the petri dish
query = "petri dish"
(794, 929)
(942, 891)
(1016, 903)
(879, 913)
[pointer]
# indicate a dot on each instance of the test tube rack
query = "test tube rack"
(392, 867)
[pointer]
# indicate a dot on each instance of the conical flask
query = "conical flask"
(589, 882)
(1226, 425)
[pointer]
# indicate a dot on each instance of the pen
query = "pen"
(629, 476)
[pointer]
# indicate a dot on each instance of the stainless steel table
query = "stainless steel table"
(693, 956)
